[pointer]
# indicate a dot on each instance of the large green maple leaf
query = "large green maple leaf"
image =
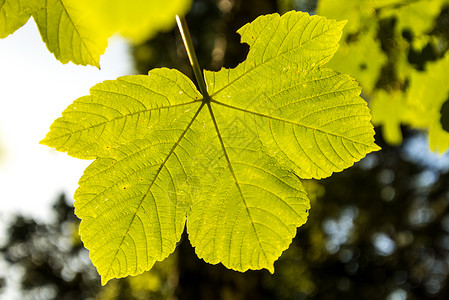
(228, 162)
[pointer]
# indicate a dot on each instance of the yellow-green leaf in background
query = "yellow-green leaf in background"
(427, 92)
(135, 19)
(62, 24)
(14, 14)
(229, 163)
(361, 58)
(390, 110)
(357, 12)
(415, 15)
(77, 30)
(404, 96)
(64, 30)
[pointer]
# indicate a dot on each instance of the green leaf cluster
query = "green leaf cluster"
(77, 30)
(227, 164)
(374, 47)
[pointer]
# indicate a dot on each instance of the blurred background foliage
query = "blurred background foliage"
(379, 230)
(398, 51)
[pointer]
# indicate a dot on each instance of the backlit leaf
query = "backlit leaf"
(415, 15)
(357, 12)
(427, 92)
(62, 25)
(229, 164)
(14, 14)
(362, 58)
(390, 110)
(135, 19)
(67, 36)
(77, 30)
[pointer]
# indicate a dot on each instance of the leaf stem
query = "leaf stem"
(188, 44)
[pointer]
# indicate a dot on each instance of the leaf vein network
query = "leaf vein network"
(261, 64)
(74, 29)
(151, 185)
(231, 169)
(290, 122)
(124, 116)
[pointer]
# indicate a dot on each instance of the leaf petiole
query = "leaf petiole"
(188, 44)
